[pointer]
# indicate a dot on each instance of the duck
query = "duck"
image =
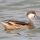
(10, 25)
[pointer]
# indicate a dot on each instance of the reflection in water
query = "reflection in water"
(4, 37)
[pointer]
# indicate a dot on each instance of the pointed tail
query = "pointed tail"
(4, 23)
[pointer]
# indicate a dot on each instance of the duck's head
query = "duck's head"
(31, 14)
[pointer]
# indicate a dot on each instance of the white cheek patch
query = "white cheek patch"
(30, 16)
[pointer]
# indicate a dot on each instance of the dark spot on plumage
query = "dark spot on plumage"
(20, 23)
(9, 23)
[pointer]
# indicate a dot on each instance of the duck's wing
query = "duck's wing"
(17, 22)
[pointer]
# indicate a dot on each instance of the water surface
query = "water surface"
(17, 9)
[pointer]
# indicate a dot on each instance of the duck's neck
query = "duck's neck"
(30, 21)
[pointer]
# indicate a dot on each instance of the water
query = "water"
(17, 9)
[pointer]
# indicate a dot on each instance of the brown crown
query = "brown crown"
(31, 11)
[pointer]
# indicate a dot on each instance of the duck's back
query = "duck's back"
(18, 22)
